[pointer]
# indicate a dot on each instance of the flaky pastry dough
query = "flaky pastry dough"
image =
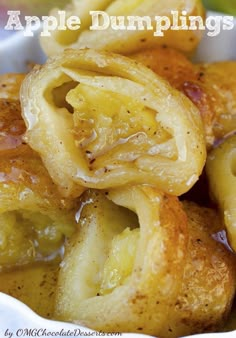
(221, 169)
(34, 218)
(101, 120)
(163, 274)
(142, 299)
(210, 86)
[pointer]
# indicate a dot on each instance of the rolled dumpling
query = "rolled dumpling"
(117, 17)
(208, 287)
(101, 120)
(221, 169)
(140, 263)
(34, 218)
(123, 269)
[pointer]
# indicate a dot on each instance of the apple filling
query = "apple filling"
(120, 261)
(27, 236)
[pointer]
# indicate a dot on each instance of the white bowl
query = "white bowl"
(16, 52)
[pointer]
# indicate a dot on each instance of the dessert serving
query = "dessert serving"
(117, 180)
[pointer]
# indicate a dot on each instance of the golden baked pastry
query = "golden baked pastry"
(221, 169)
(211, 87)
(101, 120)
(158, 270)
(34, 218)
(116, 276)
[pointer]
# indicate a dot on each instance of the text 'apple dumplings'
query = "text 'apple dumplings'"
(102, 120)
(221, 172)
(125, 27)
(34, 218)
(139, 263)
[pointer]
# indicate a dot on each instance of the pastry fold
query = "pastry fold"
(34, 218)
(210, 86)
(116, 276)
(208, 286)
(216, 86)
(128, 40)
(221, 169)
(102, 120)
(158, 271)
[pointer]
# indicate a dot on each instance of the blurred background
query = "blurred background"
(27, 7)
(225, 6)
